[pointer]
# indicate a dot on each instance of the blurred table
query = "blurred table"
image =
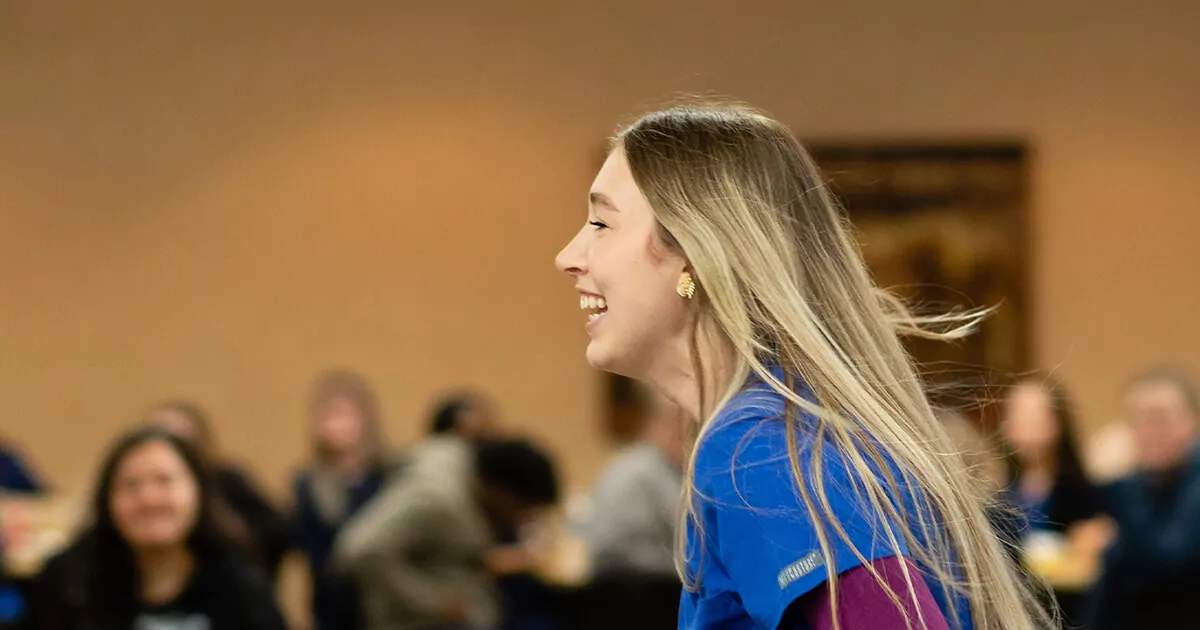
(1068, 571)
(34, 529)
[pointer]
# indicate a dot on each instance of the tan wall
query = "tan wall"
(223, 200)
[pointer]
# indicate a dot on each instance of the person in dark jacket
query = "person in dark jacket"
(348, 468)
(158, 554)
(1152, 570)
(1048, 491)
(1047, 482)
(269, 531)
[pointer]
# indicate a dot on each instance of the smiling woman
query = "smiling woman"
(622, 232)
(156, 554)
(823, 492)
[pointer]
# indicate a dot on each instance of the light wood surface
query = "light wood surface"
(1069, 570)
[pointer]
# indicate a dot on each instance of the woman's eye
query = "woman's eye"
(599, 225)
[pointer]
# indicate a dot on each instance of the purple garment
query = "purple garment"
(863, 604)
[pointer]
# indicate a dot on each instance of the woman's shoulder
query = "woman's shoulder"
(745, 451)
(749, 452)
(751, 424)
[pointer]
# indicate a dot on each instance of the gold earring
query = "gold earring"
(686, 287)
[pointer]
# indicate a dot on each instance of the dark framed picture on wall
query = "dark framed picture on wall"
(944, 226)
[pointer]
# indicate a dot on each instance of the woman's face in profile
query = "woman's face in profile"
(625, 276)
(155, 499)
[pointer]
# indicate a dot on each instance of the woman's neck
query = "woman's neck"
(164, 572)
(677, 379)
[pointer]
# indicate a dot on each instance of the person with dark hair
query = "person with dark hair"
(1152, 570)
(1047, 480)
(158, 553)
(269, 530)
(421, 549)
(1056, 505)
(347, 469)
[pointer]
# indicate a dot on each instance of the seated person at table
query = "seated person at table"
(156, 555)
(1152, 571)
(636, 505)
(1047, 482)
(348, 465)
(420, 550)
(1057, 505)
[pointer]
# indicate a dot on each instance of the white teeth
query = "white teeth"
(592, 303)
(593, 316)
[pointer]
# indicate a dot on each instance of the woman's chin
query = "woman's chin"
(597, 357)
(602, 357)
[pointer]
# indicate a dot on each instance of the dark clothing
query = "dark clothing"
(269, 531)
(526, 602)
(336, 601)
(1072, 499)
(224, 592)
(15, 475)
(1152, 571)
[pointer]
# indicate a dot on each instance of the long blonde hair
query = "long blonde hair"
(780, 279)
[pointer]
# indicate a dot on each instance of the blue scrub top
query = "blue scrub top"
(760, 550)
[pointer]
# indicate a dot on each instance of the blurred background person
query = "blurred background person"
(637, 500)
(269, 532)
(421, 550)
(1046, 479)
(157, 554)
(1057, 506)
(1151, 573)
(348, 467)
(526, 602)
(17, 478)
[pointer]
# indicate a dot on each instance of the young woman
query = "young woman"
(347, 470)
(268, 529)
(823, 493)
(1047, 482)
(156, 555)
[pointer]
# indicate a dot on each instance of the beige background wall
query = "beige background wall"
(222, 200)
